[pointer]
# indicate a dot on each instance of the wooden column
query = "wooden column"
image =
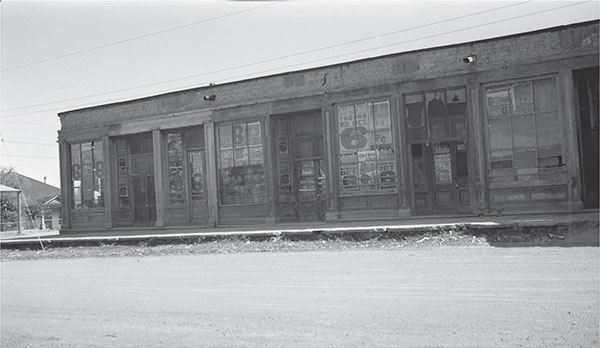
(268, 169)
(567, 107)
(402, 158)
(332, 213)
(108, 182)
(158, 178)
(211, 174)
(476, 150)
(65, 185)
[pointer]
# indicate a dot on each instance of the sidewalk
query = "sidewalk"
(577, 228)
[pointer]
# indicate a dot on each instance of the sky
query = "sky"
(57, 56)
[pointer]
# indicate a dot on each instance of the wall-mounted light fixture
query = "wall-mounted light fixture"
(211, 97)
(470, 59)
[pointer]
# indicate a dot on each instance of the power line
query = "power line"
(131, 39)
(272, 59)
(24, 156)
(296, 64)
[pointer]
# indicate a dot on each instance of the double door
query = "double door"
(301, 168)
(440, 178)
(144, 192)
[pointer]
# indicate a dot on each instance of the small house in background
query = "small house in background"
(42, 198)
(507, 124)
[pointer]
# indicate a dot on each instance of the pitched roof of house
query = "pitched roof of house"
(34, 191)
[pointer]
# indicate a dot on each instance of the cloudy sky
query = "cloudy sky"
(58, 56)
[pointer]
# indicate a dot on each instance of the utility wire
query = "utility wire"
(131, 39)
(287, 66)
(276, 58)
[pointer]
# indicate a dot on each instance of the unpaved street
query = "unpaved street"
(430, 297)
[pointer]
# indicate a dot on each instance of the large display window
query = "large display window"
(366, 148)
(87, 175)
(524, 131)
(241, 163)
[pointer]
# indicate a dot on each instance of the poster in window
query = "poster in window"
(256, 155)
(383, 140)
(86, 153)
(226, 159)
(386, 167)
(175, 150)
(254, 134)
(225, 140)
(240, 137)
(346, 129)
(442, 164)
(349, 171)
(498, 101)
(241, 157)
(367, 165)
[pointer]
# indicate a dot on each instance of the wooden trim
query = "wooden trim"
(211, 174)
(268, 163)
(159, 177)
(108, 182)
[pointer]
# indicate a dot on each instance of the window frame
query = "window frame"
(536, 175)
(218, 160)
(94, 171)
(392, 147)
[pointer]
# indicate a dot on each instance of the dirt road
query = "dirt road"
(429, 297)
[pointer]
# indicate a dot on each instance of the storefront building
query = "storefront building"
(496, 126)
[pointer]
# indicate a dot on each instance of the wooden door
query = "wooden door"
(312, 184)
(197, 192)
(144, 192)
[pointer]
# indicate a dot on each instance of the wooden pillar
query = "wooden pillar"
(65, 184)
(108, 182)
(476, 150)
(567, 107)
(402, 158)
(268, 163)
(211, 174)
(158, 178)
(19, 211)
(332, 213)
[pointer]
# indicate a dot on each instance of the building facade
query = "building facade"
(502, 125)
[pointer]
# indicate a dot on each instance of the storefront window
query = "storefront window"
(87, 175)
(240, 161)
(524, 131)
(367, 159)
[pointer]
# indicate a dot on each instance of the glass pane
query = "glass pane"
(442, 163)
(76, 162)
(497, 101)
(436, 115)
(501, 159)
(98, 173)
(525, 158)
(419, 178)
(87, 185)
(381, 113)
(226, 159)
(550, 156)
(521, 97)
(255, 155)
(414, 110)
(544, 93)
(254, 137)
(86, 153)
(383, 140)
(456, 101)
(241, 157)
(547, 129)
(523, 131)
(196, 171)
(225, 139)
(500, 135)
(240, 137)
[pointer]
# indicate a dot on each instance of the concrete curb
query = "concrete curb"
(573, 233)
